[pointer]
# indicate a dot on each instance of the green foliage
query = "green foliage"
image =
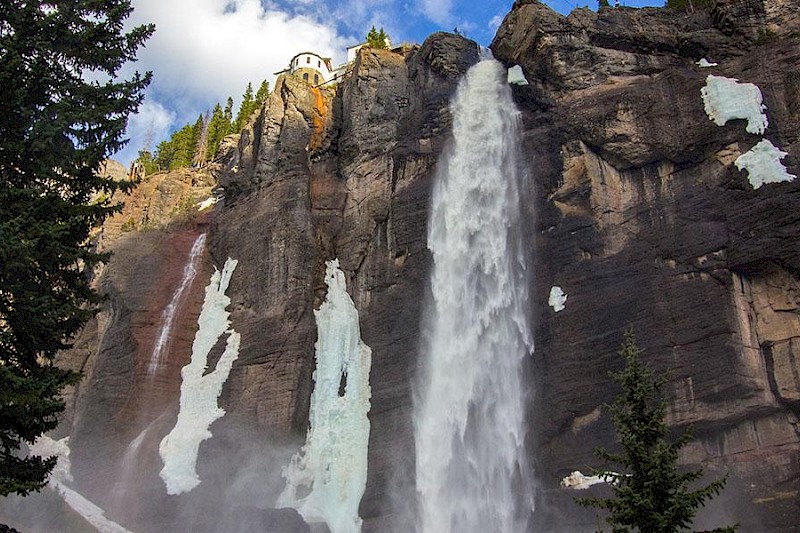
(377, 38)
(55, 130)
(178, 151)
(650, 494)
(198, 143)
(245, 109)
(228, 113)
(128, 225)
(263, 92)
(250, 104)
(147, 162)
(603, 3)
(218, 127)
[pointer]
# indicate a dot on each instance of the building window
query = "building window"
(305, 76)
(316, 78)
(319, 64)
(308, 60)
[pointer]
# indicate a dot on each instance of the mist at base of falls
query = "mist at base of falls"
(470, 408)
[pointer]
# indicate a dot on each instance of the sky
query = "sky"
(204, 51)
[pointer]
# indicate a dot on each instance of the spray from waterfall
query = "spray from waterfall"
(129, 471)
(168, 315)
(471, 472)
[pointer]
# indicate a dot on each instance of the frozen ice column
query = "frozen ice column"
(326, 479)
(199, 393)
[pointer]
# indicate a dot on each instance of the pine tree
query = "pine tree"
(245, 109)
(383, 39)
(650, 494)
(377, 39)
(55, 130)
(228, 116)
(218, 128)
(262, 93)
(202, 141)
(148, 164)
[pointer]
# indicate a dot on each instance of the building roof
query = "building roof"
(327, 59)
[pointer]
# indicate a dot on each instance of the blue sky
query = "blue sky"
(206, 50)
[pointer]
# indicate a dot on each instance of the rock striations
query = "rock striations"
(633, 204)
(644, 220)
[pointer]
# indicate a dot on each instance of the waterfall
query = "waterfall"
(129, 472)
(469, 413)
(168, 315)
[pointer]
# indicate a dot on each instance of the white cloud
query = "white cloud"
(146, 128)
(206, 50)
(495, 22)
(439, 11)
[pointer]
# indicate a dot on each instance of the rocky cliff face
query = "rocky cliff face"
(321, 175)
(633, 206)
(643, 220)
(318, 174)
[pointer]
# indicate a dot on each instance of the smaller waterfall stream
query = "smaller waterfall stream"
(129, 471)
(471, 472)
(168, 315)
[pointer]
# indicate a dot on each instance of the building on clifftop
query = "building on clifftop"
(317, 70)
(314, 68)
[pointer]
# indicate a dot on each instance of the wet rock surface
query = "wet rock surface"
(632, 205)
(643, 220)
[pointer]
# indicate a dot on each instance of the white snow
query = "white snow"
(705, 63)
(763, 164)
(727, 99)
(516, 76)
(199, 393)
(47, 447)
(326, 479)
(557, 299)
(205, 204)
(579, 481)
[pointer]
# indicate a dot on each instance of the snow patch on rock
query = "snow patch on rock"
(199, 393)
(326, 479)
(47, 447)
(579, 481)
(705, 63)
(763, 164)
(726, 99)
(516, 76)
(557, 299)
(205, 204)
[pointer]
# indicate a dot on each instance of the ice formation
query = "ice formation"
(579, 481)
(516, 76)
(472, 474)
(763, 164)
(326, 479)
(47, 447)
(168, 316)
(199, 393)
(727, 99)
(205, 204)
(705, 63)
(557, 299)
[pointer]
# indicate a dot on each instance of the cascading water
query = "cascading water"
(471, 472)
(168, 315)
